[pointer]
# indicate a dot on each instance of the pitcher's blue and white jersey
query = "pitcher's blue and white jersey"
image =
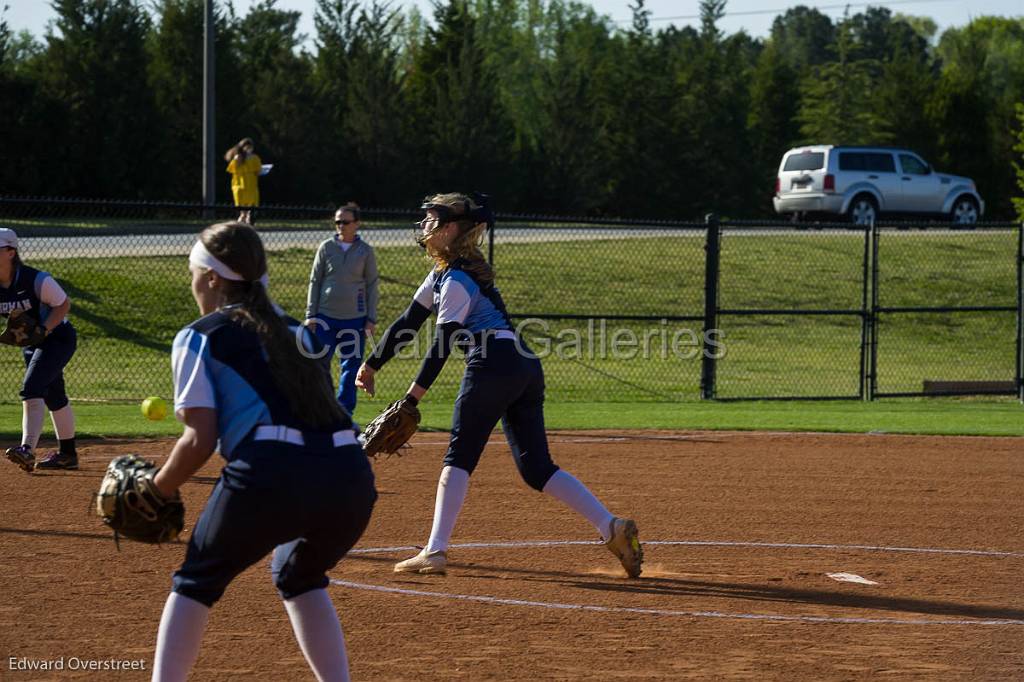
(220, 364)
(456, 297)
(33, 291)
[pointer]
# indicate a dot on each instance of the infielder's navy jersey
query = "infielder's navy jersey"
(220, 364)
(33, 291)
(456, 297)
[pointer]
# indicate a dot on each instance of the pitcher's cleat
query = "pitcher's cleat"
(623, 541)
(433, 563)
(22, 456)
(57, 460)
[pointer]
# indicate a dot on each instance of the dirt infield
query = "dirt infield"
(741, 532)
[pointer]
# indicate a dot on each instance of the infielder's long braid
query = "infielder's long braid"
(300, 378)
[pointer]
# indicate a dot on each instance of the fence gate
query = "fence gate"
(946, 311)
(792, 310)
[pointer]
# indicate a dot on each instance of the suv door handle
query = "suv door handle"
(872, 177)
(906, 179)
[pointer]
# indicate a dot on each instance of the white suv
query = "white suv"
(863, 182)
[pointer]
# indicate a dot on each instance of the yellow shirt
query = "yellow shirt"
(244, 185)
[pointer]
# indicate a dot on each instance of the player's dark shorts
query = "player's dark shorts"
(504, 384)
(308, 506)
(44, 367)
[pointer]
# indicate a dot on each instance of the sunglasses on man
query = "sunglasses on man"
(343, 222)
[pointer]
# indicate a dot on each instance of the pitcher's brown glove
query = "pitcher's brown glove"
(22, 329)
(392, 428)
(129, 502)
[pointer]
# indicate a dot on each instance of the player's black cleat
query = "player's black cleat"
(58, 460)
(22, 456)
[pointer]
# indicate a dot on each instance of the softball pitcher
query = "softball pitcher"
(503, 381)
(296, 482)
(34, 294)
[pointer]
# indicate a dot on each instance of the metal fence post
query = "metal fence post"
(873, 342)
(1020, 312)
(490, 244)
(712, 249)
(865, 316)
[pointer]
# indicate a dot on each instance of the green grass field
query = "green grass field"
(127, 310)
(937, 416)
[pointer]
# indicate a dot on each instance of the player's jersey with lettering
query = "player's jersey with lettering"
(33, 291)
(456, 297)
(220, 364)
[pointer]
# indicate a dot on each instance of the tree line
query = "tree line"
(545, 104)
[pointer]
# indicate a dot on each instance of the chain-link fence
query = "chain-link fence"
(946, 311)
(616, 308)
(791, 311)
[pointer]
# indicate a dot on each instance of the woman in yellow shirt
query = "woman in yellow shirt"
(244, 167)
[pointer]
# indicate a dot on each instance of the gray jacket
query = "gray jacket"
(343, 284)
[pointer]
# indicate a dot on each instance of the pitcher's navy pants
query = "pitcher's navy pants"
(503, 381)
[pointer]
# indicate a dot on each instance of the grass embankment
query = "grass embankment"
(127, 310)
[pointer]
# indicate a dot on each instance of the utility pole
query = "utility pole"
(209, 190)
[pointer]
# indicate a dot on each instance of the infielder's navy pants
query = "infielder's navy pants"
(307, 506)
(502, 382)
(349, 337)
(44, 367)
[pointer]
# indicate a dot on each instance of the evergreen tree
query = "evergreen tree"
(277, 94)
(335, 22)
(573, 154)
(804, 38)
(96, 64)
(376, 114)
(835, 100)
(774, 102)
(176, 77)
(463, 131)
(982, 62)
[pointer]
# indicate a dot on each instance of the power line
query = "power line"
(784, 9)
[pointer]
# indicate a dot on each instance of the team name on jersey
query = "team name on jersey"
(7, 306)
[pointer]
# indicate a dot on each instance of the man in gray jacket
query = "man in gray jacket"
(341, 306)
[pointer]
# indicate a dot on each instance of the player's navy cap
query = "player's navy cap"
(8, 237)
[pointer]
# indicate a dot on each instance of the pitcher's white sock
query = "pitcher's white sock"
(63, 422)
(32, 412)
(316, 627)
(566, 488)
(451, 493)
(177, 642)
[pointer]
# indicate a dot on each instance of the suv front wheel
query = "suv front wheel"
(965, 211)
(863, 210)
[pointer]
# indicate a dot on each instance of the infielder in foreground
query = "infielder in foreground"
(503, 381)
(296, 482)
(36, 308)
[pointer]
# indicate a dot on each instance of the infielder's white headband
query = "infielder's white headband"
(202, 258)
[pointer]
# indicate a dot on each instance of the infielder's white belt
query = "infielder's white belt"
(286, 434)
(493, 334)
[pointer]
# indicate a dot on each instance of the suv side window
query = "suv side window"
(880, 162)
(853, 161)
(913, 165)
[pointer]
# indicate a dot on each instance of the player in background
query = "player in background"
(296, 482)
(37, 294)
(503, 381)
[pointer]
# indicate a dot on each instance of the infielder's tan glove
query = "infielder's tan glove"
(22, 330)
(130, 504)
(391, 429)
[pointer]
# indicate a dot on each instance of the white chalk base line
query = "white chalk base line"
(676, 613)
